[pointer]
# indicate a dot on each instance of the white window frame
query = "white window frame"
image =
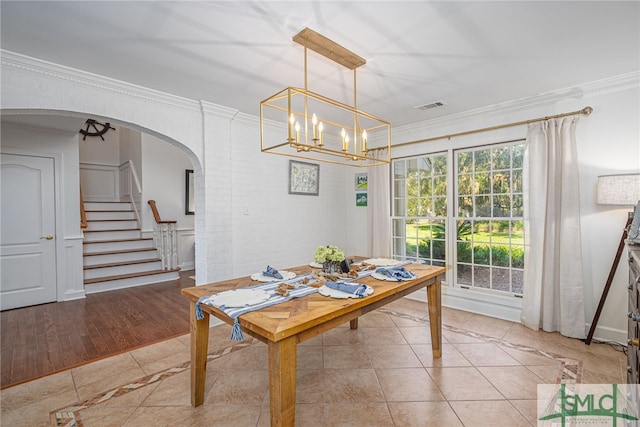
(478, 300)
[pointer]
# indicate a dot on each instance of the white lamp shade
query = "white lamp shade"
(618, 189)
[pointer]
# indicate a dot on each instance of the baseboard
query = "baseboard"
(507, 311)
(73, 295)
(603, 333)
(482, 303)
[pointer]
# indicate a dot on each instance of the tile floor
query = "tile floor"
(379, 375)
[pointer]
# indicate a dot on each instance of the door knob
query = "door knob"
(49, 237)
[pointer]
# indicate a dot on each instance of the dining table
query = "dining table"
(284, 325)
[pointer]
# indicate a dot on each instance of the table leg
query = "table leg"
(282, 382)
(199, 349)
(353, 324)
(435, 317)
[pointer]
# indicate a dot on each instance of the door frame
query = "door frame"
(60, 239)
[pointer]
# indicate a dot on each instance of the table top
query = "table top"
(297, 315)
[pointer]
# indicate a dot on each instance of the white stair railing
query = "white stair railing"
(130, 187)
(165, 239)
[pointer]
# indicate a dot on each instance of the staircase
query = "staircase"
(115, 255)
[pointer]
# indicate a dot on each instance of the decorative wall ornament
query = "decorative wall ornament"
(95, 128)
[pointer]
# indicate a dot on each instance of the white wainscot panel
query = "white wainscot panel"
(99, 183)
(187, 249)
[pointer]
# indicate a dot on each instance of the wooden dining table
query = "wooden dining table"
(284, 325)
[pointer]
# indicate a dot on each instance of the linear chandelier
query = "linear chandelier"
(297, 122)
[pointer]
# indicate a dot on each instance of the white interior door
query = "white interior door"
(27, 242)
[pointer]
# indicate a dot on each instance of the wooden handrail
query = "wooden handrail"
(156, 215)
(83, 214)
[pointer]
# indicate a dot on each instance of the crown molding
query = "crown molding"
(218, 110)
(37, 66)
(248, 119)
(585, 90)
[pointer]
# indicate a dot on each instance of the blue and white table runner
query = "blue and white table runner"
(300, 291)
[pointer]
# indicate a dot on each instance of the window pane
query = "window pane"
(481, 277)
(412, 185)
(501, 206)
(501, 182)
(482, 184)
(399, 188)
(501, 158)
(465, 162)
(517, 181)
(482, 159)
(465, 206)
(517, 256)
(500, 279)
(517, 281)
(440, 206)
(440, 186)
(439, 249)
(464, 275)
(412, 206)
(481, 254)
(411, 247)
(464, 252)
(412, 166)
(439, 164)
(465, 184)
(399, 207)
(398, 247)
(516, 208)
(425, 186)
(517, 152)
(398, 228)
(483, 206)
(500, 255)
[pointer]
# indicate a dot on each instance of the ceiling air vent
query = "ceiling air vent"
(429, 106)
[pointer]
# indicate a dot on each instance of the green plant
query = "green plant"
(328, 253)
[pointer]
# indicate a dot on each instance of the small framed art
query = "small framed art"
(304, 178)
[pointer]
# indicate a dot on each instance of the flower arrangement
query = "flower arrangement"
(328, 253)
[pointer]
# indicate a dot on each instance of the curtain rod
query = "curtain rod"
(586, 111)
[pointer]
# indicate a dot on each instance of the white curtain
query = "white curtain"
(553, 285)
(379, 199)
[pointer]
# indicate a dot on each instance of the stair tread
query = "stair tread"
(109, 220)
(118, 229)
(105, 210)
(123, 263)
(128, 276)
(117, 240)
(123, 251)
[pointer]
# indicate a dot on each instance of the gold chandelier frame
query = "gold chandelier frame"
(309, 141)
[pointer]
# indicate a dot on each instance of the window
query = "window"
(420, 209)
(485, 237)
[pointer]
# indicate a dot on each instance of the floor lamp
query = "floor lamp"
(620, 190)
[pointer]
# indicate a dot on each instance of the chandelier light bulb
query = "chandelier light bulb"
(320, 129)
(364, 141)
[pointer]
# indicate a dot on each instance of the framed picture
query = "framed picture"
(361, 182)
(304, 178)
(189, 204)
(361, 199)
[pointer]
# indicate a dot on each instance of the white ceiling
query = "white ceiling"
(467, 54)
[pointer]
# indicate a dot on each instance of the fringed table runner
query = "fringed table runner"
(235, 312)
(300, 291)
